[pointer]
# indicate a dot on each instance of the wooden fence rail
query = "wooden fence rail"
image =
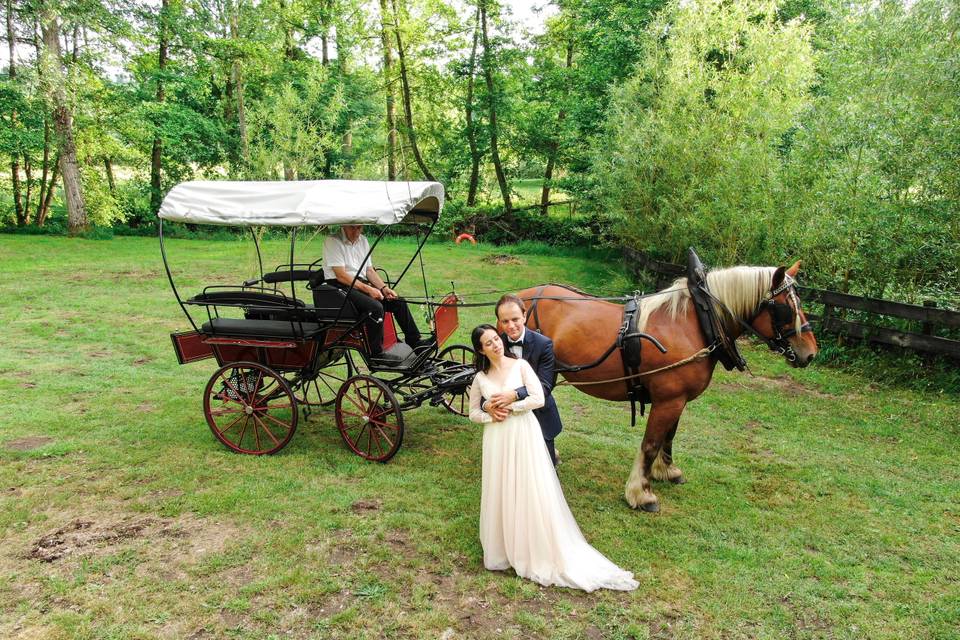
(930, 317)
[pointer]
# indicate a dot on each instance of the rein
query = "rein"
(699, 355)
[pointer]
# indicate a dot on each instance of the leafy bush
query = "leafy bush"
(491, 224)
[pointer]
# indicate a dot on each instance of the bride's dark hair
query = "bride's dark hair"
(480, 361)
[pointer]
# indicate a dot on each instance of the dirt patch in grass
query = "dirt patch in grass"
(100, 533)
(28, 443)
(502, 258)
(365, 506)
(81, 535)
(783, 384)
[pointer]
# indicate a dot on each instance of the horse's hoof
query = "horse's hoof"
(651, 507)
(679, 480)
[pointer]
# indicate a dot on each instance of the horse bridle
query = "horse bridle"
(782, 318)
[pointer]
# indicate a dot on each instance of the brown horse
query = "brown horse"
(583, 328)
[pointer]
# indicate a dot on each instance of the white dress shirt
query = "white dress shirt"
(339, 252)
(517, 350)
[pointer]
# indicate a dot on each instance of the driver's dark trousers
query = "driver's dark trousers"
(398, 307)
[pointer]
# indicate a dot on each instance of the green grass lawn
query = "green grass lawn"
(818, 505)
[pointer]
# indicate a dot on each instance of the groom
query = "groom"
(536, 349)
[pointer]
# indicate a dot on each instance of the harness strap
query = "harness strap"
(536, 313)
(699, 355)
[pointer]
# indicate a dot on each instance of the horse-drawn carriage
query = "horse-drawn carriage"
(286, 341)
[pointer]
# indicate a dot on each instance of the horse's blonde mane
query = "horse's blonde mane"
(739, 288)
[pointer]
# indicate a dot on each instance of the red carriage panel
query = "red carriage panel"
(190, 347)
(278, 354)
(446, 318)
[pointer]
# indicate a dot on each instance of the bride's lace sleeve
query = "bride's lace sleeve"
(534, 399)
(476, 396)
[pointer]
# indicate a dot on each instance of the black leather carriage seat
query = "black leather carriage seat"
(328, 302)
(261, 329)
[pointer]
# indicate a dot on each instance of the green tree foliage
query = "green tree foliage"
(757, 130)
(694, 138)
(294, 128)
(872, 177)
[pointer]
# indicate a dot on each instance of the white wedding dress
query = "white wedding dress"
(525, 522)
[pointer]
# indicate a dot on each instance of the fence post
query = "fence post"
(825, 320)
(928, 326)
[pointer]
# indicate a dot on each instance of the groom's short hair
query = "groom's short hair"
(509, 298)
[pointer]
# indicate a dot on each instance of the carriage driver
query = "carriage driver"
(345, 255)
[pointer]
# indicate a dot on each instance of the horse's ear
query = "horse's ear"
(792, 271)
(778, 277)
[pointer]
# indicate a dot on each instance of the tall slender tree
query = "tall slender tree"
(22, 213)
(475, 155)
(553, 147)
(492, 104)
(407, 101)
(55, 80)
(391, 114)
(156, 154)
(236, 76)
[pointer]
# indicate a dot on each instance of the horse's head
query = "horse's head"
(781, 320)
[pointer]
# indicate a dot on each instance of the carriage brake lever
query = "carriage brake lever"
(647, 336)
(251, 282)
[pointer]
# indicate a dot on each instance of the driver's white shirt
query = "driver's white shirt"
(339, 252)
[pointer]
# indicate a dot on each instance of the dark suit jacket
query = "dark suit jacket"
(538, 351)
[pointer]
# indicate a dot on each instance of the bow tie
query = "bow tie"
(511, 343)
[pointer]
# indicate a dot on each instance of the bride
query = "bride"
(525, 522)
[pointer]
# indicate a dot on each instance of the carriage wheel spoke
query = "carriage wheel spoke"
(243, 431)
(385, 437)
(381, 424)
(224, 411)
(263, 426)
(252, 391)
(354, 403)
(276, 421)
(239, 397)
(229, 426)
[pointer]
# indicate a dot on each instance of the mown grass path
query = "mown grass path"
(818, 505)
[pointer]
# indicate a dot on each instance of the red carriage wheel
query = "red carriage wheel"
(369, 418)
(250, 408)
(457, 403)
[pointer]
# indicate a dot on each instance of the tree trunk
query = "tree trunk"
(108, 168)
(346, 141)
(289, 51)
(45, 169)
(405, 91)
(491, 97)
(43, 207)
(28, 171)
(388, 86)
(237, 81)
(471, 128)
(46, 166)
(55, 79)
(21, 212)
(554, 146)
(156, 154)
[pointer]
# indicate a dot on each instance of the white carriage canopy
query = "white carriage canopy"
(302, 203)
